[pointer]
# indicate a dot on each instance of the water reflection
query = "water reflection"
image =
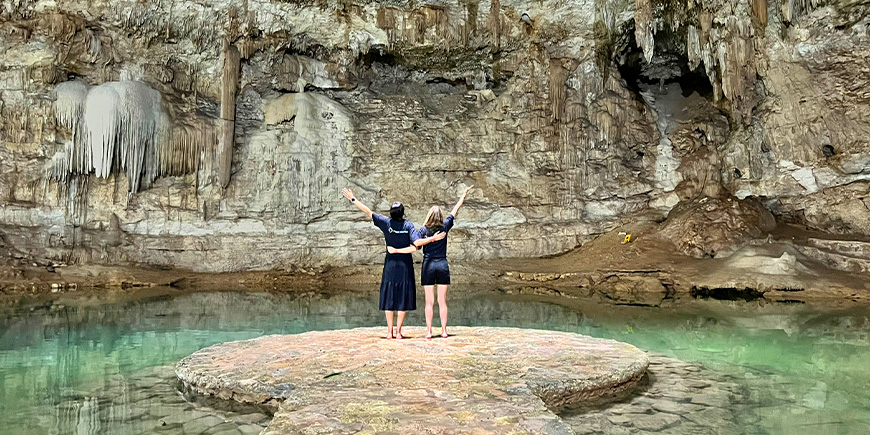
(86, 367)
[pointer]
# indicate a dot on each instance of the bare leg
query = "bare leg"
(430, 302)
(442, 308)
(389, 323)
(400, 322)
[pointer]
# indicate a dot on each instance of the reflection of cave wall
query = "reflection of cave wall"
(568, 120)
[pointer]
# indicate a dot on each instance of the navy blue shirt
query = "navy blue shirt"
(398, 234)
(438, 248)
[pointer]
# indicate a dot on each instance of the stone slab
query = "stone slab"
(479, 380)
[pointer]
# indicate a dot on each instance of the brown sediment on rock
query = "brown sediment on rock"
(495, 380)
(781, 263)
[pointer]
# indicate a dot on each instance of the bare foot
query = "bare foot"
(429, 335)
(390, 334)
(399, 336)
(444, 334)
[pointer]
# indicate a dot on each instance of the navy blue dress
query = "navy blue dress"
(398, 289)
(435, 268)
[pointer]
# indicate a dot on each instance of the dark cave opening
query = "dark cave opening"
(460, 82)
(669, 65)
(378, 55)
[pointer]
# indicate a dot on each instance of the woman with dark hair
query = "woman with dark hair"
(398, 289)
(436, 271)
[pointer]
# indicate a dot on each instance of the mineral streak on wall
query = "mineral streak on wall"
(218, 136)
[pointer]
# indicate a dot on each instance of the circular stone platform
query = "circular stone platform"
(479, 380)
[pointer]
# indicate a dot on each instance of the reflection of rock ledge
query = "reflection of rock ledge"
(495, 380)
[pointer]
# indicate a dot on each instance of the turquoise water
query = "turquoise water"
(87, 366)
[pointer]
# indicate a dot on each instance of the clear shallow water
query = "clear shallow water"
(87, 367)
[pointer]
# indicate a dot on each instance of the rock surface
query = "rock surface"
(492, 380)
(568, 115)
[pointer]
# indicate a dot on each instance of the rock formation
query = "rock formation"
(481, 380)
(217, 137)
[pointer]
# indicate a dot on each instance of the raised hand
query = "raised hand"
(347, 193)
(461, 200)
(440, 235)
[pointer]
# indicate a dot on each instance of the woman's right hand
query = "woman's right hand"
(392, 250)
(467, 189)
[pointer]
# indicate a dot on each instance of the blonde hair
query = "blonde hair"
(434, 218)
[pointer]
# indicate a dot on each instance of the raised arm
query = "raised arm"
(461, 201)
(349, 195)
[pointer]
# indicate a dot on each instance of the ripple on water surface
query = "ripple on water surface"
(87, 368)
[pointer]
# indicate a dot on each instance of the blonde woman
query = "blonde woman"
(436, 271)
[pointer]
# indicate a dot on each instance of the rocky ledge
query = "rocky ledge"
(480, 380)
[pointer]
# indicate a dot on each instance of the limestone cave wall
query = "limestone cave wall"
(216, 136)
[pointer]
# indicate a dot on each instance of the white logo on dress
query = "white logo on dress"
(397, 231)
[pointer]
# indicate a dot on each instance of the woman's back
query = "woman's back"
(438, 248)
(396, 232)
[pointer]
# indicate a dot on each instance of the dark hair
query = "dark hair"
(397, 211)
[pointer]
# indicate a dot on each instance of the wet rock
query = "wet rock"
(713, 417)
(654, 422)
(497, 380)
(651, 412)
(712, 397)
(675, 407)
(201, 424)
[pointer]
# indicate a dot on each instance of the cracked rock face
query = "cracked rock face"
(480, 380)
(568, 116)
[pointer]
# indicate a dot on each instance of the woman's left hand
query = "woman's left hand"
(347, 193)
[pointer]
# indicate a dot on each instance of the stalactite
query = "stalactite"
(495, 24)
(386, 20)
(558, 76)
(792, 9)
(70, 103)
(693, 47)
(247, 48)
(644, 27)
(121, 127)
(183, 153)
(229, 86)
(61, 27)
(759, 8)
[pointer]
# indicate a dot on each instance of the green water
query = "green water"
(85, 366)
